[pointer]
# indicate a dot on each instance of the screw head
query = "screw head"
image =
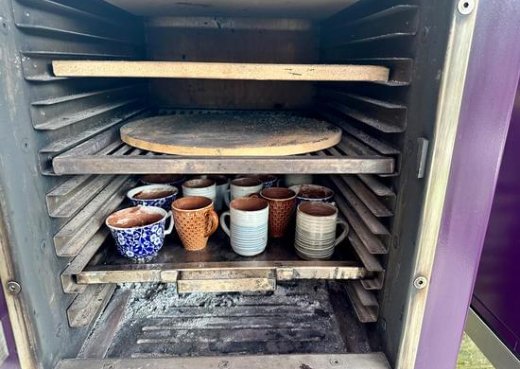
(466, 6)
(14, 288)
(420, 282)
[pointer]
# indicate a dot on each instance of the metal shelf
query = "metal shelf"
(217, 262)
(105, 153)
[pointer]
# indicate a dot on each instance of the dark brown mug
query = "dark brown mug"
(195, 221)
(282, 202)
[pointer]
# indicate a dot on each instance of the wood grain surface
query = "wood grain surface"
(241, 71)
(241, 134)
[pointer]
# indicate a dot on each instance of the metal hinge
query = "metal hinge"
(422, 156)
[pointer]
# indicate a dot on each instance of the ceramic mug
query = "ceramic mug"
(139, 231)
(161, 195)
(222, 186)
(316, 225)
(268, 180)
(195, 220)
(248, 225)
(297, 179)
(312, 192)
(200, 187)
(241, 187)
(282, 202)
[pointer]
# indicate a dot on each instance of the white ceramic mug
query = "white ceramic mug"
(248, 225)
(241, 187)
(316, 224)
(200, 187)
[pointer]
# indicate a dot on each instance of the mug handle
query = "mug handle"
(170, 227)
(227, 197)
(212, 220)
(343, 234)
(223, 224)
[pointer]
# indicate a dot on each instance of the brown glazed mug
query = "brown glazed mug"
(195, 220)
(282, 202)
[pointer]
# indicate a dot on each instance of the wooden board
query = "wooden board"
(224, 134)
(242, 71)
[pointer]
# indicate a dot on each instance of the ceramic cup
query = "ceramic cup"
(248, 225)
(297, 179)
(200, 187)
(268, 180)
(312, 192)
(222, 186)
(241, 187)
(161, 195)
(316, 225)
(195, 220)
(282, 202)
(139, 231)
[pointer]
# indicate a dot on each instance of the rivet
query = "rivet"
(465, 7)
(14, 287)
(420, 282)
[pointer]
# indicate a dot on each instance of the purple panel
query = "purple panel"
(496, 298)
(488, 99)
(12, 360)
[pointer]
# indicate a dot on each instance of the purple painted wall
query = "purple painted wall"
(496, 297)
(12, 361)
(488, 100)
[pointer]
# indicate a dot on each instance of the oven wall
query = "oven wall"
(411, 37)
(40, 116)
(247, 40)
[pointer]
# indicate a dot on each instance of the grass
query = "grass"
(470, 356)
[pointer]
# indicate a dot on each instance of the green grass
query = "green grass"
(470, 356)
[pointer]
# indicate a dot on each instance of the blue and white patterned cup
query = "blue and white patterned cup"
(161, 195)
(139, 231)
(248, 225)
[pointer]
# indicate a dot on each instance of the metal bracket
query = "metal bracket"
(422, 156)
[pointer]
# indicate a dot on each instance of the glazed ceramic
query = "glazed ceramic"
(282, 202)
(241, 187)
(150, 199)
(195, 220)
(316, 225)
(297, 179)
(268, 180)
(200, 187)
(222, 186)
(248, 225)
(139, 231)
(312, 192)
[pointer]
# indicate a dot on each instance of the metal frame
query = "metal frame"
(489, 343)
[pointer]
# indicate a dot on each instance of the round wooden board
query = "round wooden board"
(225, 134)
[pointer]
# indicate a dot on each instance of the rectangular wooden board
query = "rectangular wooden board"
(228, 71)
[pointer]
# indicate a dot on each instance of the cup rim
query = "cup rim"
(261, 204)
(203, 183)
(328, 209)
(297, 188)
(253, 182)
(219, 179)
(131, 193)
(209, 203)
(291, 194)
(146, 208)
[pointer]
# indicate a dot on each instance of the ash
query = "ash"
(158, 322)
